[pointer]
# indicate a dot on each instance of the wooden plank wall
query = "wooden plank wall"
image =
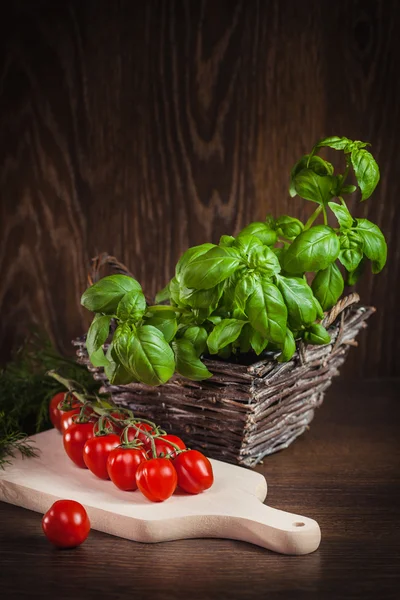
(141, 128)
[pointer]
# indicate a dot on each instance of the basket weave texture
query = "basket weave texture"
(245, 412)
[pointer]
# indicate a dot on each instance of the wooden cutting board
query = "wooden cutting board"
(233, 508)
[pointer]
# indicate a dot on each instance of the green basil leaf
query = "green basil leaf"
(174, 291)
(244, 338)
(354, 276)
(289, 227)
(315, 163)
(150, 357)
(226, 352)
(311, 186)
(215, 319)
(374, 243)
(267, 311)
(165, 322)
(247, 243)
(317, 334)
(328, 286)
(188, 256)
(163, 295)
(258, 341)
(197, 336)
(335, 142)
(318, 308)
(187, 362)
(299, 300)
(366, 171)
(115, 372)
(226, 332)
(209, 269)
(244, 288)
(105, 295)
(97, 335)
(261, 231)
(350, 258)
(348, 189)
(289, 347)
(342, 214)
(132, 307)
(122, 344)
(201, 298)
(226, 241)
(312, 250)
(264, 261)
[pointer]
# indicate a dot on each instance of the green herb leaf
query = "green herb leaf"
(209, 269)
(97, 335)
(315, 163)
(163, 295)
(310, 186)
(299, 300)
(328, 286)
(132, 307)
(226, 241)
(354, 276)
(226, 332)
(115, 372)
(366, 171)
(150, 357)
(201, 298)
(261, 231)
(105, 295)
(264, 261)
(187, 362)
(244, 288)
(244, 338)
(197, 336)
(289, 227)
(317, 334)
(165, 322)
(189, 256)
(335, 142)
(289, 347)
(267, 311)
(342, 214)
(258, 341)
(312, 250)
(374, 243)
(348, 189)
(350, 258)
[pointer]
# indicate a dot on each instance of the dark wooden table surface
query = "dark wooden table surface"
(344, 473)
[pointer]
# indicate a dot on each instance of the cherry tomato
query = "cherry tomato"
(66, 524)
(194, 470)
(75, 437)
(96, 451)
(66, 419)
(54, 411)
(122, 464)
(164, 448)
(133, 434)
(156, 479)
(114, 427)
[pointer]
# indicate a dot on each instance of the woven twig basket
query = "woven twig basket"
(244, 412)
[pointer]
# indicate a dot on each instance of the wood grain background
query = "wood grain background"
(143, 128)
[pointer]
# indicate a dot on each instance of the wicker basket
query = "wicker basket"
(244, 412)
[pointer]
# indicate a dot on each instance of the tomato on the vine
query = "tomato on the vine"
(116, 428)
(134, 434)
(75, 438)
(55, 413)
(122, 464)
(66, 418)
(194, 470)
(164, 448)
(157, 479)
(96, 451)
(66, 524)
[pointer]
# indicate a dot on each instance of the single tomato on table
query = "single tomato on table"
(157, 479)
(66, 524)
(164, 448)
(75, 438)
(122, 464)
(96, 451)
(194, 470)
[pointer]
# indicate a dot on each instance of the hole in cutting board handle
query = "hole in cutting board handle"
(298, 524)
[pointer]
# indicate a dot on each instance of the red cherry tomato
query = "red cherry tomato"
(164, 448)
(156, 479)
(133, 434)
(66, 524)
(75, 437)
(96, 451)
(66, 419)
(194, 470)
(122, 464)
(54, 411)
(109, 424)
